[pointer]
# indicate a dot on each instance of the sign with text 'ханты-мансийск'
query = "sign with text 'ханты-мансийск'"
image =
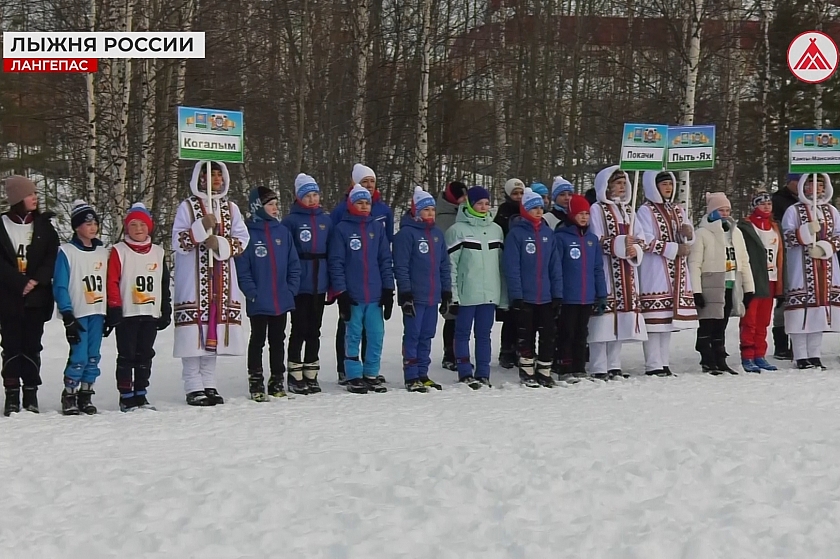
(814, 151)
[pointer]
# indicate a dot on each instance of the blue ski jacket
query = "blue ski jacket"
(359, 259)
(583, 265)
(532, 266)
(421, 261)
(310, 229)
(269, 270)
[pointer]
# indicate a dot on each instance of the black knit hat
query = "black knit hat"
(663, 176)
(266, 195)
(82, 213)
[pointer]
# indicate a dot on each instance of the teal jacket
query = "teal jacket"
(475, 254)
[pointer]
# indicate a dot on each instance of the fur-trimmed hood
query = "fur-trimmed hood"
(195, 188)
(602, 183)
(651, 192)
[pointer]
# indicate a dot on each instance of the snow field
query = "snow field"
(693, 467)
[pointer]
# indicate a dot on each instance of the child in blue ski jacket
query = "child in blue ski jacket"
(310, 228)
(584, 286)
(79, 290)
(361, 273)
(269, 276)
(421, 268)
(535, 289)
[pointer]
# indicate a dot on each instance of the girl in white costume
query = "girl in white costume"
(667, 298)
(207, 301)
(812, 292)
(622, 320)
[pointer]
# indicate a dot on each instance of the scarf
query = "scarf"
(761, 220)
(139, 248)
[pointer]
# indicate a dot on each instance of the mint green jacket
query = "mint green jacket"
(475, 254)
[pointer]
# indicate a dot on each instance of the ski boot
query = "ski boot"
(356, 386)
(256, 387)
(297, 384)
(12, 404)
(544, 377)
(142, 402)
(416, 385)
(128, 402)
(763, 364)
(817, 363)
(448, 362)
(617, 374)
(484, 381)
(214, 396)
(750, 366)
(600, 376)
(782, 344)
(429, 383)
(310, 373)
(30, 399)
(804, 364)
(527, 373)
(342, 378)
(199, 398)
(84, 399)
(667, 371)
(375, 385)
(472, 382)
(507, 359)
(275, 387)
(69, 401)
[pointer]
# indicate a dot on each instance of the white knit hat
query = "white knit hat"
(304, 184)
(531, 200)
(421, 199)
(359, 192)
(360, 172)
(512, 185)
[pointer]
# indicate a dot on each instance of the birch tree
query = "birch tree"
(692, 69)
(421, 152)
(361, 36)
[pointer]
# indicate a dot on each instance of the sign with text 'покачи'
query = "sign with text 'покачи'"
(814, 151)
(690, 148)
(643, 147)
(210, 134)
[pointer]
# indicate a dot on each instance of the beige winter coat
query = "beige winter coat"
(707, 266)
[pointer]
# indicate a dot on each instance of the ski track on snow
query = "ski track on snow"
(693, 467)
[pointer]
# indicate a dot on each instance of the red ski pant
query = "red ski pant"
(754, 328)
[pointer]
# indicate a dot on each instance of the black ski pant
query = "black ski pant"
(275, 328)
(135, 351)
(510, 335)
(572, 334)
(306, 328)
(21, 343)
(711, 335)
(533, 319)
(340, 333)
(449, 340)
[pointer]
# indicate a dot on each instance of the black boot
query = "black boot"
(30, 399)
(707, 355)
(12, 404)
(214, 396)
(256, 386)
(84, 400)
(199, 398)
(275, 386)
(310, 373)
(69, 402)
(719, 348)
(297, 384)
(781, 344)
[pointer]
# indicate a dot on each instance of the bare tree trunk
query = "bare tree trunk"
(735, 90)
(303, 85)
(499, 76)
(361, 31)
(692, 69)
(91, 108)
(421, 151)
(120, 147)
(765, 87)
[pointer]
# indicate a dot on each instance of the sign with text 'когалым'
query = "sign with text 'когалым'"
(210, 135)
(814, 151)
(690, 148)
(643, 147)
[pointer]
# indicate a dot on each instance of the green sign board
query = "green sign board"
(690, 148)
(210, 135)
(814, 151)
(643, 147)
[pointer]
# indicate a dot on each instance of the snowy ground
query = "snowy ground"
(693, 467)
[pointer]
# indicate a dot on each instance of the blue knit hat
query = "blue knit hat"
(794, 177)
(476, 193)
(421, 200)
(257, 200)
(359, 192)
(539, 188)
(81, 213)
(559, 186)
(531, 200)
(304, 184)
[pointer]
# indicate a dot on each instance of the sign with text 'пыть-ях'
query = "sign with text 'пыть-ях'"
(814, 151)
(643, 147)
(690, 148)
(210, 134)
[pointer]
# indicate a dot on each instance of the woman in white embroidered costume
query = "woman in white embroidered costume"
(622, 320)
(207, 301)
(812, 292)
(667, 298)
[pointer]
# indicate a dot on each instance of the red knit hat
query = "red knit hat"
(578, 204)
(138, 211)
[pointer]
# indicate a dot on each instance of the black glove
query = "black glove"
(344, 304)
(162, 323)
(780, 302)
(113, 316)
(406, 301)
(501, 314)
(386, 301)
(748, 297)
(556, 306)
(600, 306)
(699, 301)
(72, 328)
(453, 309)
(517, 305)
